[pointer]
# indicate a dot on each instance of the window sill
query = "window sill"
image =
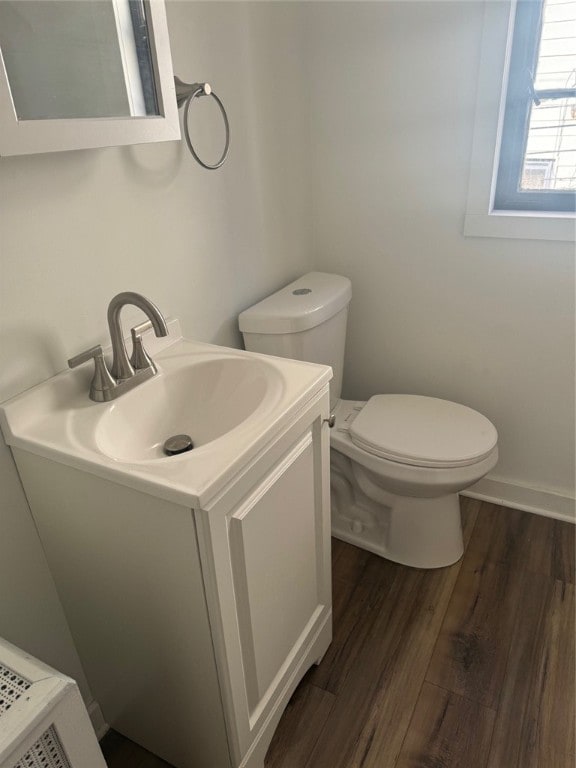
(526, 226)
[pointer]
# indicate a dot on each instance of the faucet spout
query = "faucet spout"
(121, 366)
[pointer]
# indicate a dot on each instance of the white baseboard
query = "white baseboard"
(546, 503)
(100, 726)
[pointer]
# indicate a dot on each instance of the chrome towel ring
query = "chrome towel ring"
(185, 94)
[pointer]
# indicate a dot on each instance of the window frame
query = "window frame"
(520, 95)
(481, 219)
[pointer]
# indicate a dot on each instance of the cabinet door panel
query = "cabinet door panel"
(265, 549)
(273, 546)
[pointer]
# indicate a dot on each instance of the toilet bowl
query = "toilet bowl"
(397, 462)
(406, 509)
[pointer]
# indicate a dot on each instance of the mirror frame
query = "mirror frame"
(25, 137)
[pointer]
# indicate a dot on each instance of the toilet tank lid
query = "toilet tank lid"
(305, 303)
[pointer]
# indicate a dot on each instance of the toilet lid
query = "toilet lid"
(423, 431)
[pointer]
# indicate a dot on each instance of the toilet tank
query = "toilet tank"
(305, 320)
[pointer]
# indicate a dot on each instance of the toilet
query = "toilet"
(397, 462)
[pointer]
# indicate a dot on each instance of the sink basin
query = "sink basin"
(205, 400)
(230, 402)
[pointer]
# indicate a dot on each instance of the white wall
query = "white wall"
(78, 227)
(486, 322)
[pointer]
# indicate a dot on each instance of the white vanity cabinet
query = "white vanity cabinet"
(195, 625)
(266, 560)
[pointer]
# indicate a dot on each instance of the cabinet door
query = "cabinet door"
(274, 546)
(274, 557)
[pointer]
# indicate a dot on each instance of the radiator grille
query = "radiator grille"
(12, 686)
(47, 752)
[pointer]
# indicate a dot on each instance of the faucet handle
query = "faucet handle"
(102, 381)
(83, 357)
(141, 328)
(140, 358)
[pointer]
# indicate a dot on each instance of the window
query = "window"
(537, 161)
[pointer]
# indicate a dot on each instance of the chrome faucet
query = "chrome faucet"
(121, 367)
(125, 373)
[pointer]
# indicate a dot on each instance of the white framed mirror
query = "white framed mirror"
(76, 74)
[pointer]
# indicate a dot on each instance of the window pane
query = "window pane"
(550, 158)
(557, 56)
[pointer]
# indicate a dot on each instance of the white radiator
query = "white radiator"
(43, 720)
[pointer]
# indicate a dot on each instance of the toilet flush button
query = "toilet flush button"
(301, 291)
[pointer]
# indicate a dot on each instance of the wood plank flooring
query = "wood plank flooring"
(470, 666)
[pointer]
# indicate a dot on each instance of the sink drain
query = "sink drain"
(178, 444)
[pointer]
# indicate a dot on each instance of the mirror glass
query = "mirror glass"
(70, 59)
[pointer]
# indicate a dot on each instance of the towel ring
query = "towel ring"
(185, 94)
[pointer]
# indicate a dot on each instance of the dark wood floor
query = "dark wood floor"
(470, 666)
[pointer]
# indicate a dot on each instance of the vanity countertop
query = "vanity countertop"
(57, 420)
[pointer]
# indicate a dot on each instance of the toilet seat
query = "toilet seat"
(423, 431)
